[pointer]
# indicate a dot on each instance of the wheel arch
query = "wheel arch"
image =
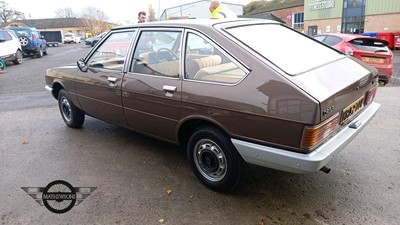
(187, 128)
(57, 87)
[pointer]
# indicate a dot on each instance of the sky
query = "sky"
(118, 11)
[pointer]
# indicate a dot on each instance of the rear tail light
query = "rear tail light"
(314, 135)
(33, 37)
(348, 51)
(370, 95)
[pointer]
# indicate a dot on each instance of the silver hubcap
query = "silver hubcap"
(210, 160)
(66, 109)
(23, 40)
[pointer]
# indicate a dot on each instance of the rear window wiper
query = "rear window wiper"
(381, 50)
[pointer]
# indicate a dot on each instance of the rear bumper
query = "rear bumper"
(284, 160)
(385, 73)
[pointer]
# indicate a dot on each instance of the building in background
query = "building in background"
(351, 16)
(196, 10)
(334, 16)
(290, 12)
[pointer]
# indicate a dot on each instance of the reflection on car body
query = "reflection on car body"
(93, 40)
(226, 96)
(372, 51)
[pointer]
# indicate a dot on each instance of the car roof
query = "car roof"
(193, 23)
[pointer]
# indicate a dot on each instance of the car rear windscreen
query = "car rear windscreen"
(289, 50)
(371, 45)
(22, 32)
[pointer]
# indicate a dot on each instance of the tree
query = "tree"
(260, 3)
(65, 13)
(95, 19)
(253, 5)
(7, 14)
(152, 14)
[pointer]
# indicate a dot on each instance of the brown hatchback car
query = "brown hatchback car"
(229, 91)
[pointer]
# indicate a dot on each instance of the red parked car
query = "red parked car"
(372, 51)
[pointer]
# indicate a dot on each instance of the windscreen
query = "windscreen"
(292, 52)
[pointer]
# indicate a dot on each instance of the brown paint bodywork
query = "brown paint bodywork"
(267, 107)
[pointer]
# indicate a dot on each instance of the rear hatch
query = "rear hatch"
(373, 51)
(338, 82)
(344, 86)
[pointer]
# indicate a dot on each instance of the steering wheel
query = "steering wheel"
(165, 54)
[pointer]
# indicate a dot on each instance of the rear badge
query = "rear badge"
(328, 110)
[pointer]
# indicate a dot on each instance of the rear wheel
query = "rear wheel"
(39, 54)
(214, 159)
(71, 115)
(18, 57)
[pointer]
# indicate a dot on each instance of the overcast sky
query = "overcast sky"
(119, 11)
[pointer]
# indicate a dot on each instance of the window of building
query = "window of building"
(353, 3)
(353, 16)
(298, 20)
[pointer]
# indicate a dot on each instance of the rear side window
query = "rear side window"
(5, 35)
(371, 45)
(291, 51)
(332, 40)
(206, 62)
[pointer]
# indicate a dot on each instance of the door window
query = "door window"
(157, 53)
(111, 54)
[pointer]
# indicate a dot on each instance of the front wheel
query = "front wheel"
(214, 159)
(71, 115)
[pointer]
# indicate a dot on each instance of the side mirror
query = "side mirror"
(82, 65)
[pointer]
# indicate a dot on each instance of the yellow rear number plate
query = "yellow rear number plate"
(373, 60)
(351, 110)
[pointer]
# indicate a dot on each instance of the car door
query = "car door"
(151, 91)
(99, 89)
(3, 44)
(6, 46)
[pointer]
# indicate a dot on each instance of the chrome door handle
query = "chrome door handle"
(169, 88)
(112, 79)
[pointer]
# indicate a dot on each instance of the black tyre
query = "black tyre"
(18, 57)
(71, 115)
(39, 54)
(214, 159)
